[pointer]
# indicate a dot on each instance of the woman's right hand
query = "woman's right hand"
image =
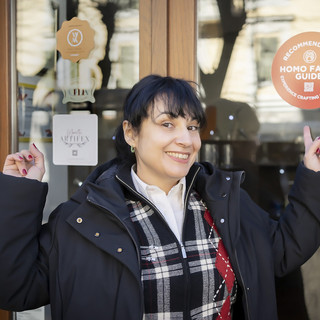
(25, 163)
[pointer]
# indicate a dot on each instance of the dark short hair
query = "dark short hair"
(180, 97)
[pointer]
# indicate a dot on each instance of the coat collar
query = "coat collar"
(219, 189)
(105, 185)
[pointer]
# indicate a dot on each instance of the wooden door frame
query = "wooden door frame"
(5, 94)
(5, 80)
(168, 35)
(5, 315)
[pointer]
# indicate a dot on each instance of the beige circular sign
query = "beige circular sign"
(296, 70)
(75, 39)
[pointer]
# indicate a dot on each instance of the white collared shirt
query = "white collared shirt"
(170, 205)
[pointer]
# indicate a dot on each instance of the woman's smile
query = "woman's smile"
(178, 156)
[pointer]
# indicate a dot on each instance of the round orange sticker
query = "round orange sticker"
(296, 70)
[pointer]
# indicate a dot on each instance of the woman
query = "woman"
(152, 234)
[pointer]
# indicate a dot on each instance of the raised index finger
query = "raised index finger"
(307, 138)
(38, 156)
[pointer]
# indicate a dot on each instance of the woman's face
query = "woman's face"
(165, 147)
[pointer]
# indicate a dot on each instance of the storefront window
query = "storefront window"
(250, 127)
(43, 76)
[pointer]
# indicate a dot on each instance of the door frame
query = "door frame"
(5, 80)
(168, 35)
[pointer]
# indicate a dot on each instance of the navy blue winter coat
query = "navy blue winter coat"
(85, 260)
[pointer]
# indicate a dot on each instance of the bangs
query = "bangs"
(179, 97)
(180, 104)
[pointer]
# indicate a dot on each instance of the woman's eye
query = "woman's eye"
(193, 128)
(167, 124)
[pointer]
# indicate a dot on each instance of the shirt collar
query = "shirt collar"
(145, 189)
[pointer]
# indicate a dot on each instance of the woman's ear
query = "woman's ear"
(128, 132)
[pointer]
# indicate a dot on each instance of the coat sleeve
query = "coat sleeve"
(296, 236)
(23, 261)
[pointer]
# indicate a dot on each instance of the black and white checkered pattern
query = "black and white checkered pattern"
(177, 287)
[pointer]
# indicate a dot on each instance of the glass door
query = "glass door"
(249, 126)
(44, 77)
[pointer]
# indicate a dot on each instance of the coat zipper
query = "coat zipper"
(187, 315)
(243, 286)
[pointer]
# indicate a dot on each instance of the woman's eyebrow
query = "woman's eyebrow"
(167, 113)
(172, 116)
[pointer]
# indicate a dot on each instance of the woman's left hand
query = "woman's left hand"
(312, 150)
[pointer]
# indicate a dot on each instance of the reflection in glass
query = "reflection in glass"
(44, 77)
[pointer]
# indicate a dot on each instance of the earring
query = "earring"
(132, 149)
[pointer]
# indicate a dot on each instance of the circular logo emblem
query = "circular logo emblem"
(74, 37)
(296, 70)
(309, 56)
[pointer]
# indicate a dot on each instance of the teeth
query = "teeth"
(178, 155)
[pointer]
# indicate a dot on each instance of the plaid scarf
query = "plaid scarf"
(198, 285)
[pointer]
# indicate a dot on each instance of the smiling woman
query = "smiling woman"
(178, 98)
(165, 147)
(154, 234)
(165, 135)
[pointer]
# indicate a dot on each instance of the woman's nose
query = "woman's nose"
(184, 137)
